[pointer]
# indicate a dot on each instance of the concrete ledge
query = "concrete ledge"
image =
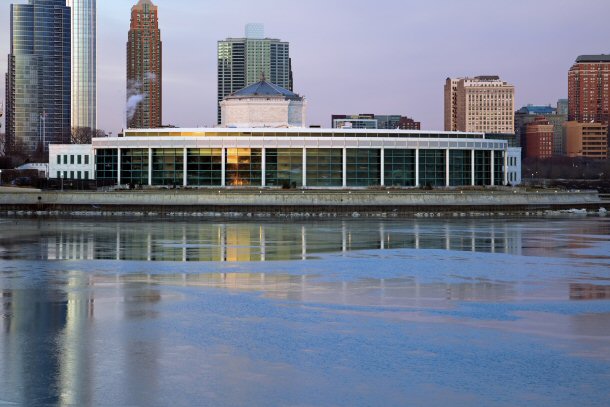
(277, 201)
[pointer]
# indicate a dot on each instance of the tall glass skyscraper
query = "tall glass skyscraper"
(84, 60)
(38, 105)
(144, 62)
(242, 62)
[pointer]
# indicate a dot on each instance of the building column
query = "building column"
(492, 167)
(505, 167)
(304, 167)
(447, 183)
(417, 167)
(382, 174)
(118, 173)
(184, 167)
(264, 167)
(472, 167)
(344, 167)
(223, 168)
(150, 165)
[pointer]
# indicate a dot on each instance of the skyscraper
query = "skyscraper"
(482, 104)
(84, 60)
(38, 102)
(243, 61)
(144, 62)
(588, 93)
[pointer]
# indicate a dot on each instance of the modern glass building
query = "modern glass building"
(84, 60)
(38, 100)
(300, 158)
(242, 61)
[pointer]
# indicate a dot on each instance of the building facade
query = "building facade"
(374, 121)
(263, 104)
(588, 140)
(84, 63)
(539, 139)
(588, 93)
(71, 161)
(38, 82)
(242, 61)
(144, 67)
(554, 116)
(480, 104)
(296, 157)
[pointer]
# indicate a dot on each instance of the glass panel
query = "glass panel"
(499, 168)
(106, 164)
(432, 165)
(167, 166)
(284, 167)
(482, 167)
(244, 166)
(400, 168)
(363, 167)
(324, 167)
(460, 168)
(134, 166)
(204, 166)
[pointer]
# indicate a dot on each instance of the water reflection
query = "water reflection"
(245, 241)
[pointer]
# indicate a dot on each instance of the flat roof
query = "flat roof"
(593, 58)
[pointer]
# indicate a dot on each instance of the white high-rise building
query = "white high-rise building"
(84, 61)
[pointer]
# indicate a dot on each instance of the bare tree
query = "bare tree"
(83, 135)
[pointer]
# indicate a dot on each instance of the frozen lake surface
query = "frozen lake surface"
(427, 312)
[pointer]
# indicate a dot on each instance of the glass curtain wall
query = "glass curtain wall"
(499, 168)
(204, 167)
(167, 166)
(324, 167)
(363, 167)
(432, 168)
(134, 166)
(106, 164)
(482, 167)
(244, 167)
(460, 168)
(399, 168)
(284, 167)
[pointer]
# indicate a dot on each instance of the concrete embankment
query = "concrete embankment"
(283, 203)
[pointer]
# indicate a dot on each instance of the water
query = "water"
(429, 312)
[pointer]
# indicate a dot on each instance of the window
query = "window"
(284, 167)
(72, 159)
(400, 167)
(71, 174)
(324, 167)
(78, 159)
(204, 166)
(134, 166)
(66, 159)
(363, 167)
(86, 174)
(244, 166)
(59, 160)
(78, 175)
(87, 160)
(58, 173)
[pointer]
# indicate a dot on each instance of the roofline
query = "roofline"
(294, 130)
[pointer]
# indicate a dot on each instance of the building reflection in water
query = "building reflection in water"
(247, 241)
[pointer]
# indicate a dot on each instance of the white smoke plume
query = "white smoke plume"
(151, 76)
(134, 98)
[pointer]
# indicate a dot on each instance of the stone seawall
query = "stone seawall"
(273, 202)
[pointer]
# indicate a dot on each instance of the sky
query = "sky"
(353, 56)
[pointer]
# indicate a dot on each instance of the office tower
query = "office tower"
(374, 121)
(84, 60)
(539, 138)
(588, 93)
(38, 82)
(528, 114)
(480, 104)
(562, 107)
(586, 140)
(144, 74)
(245, 61)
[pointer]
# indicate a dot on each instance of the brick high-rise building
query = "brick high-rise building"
(539, 138)
(144, 61)
(586, 140)
(588, 93)
(480, 104)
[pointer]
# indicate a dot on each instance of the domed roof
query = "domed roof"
(264, 89)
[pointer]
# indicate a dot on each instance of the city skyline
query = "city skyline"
(329, 67)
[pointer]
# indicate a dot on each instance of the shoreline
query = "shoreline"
(280, 204)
